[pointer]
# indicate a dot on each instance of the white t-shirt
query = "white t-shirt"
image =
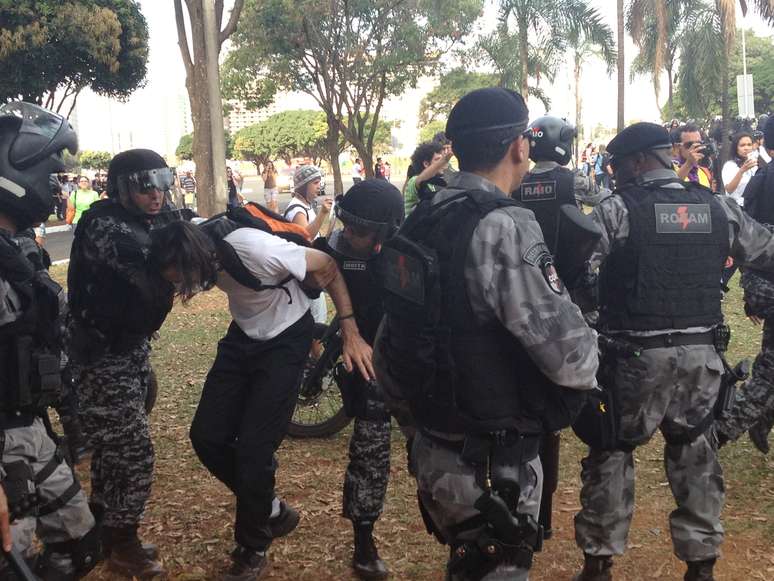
(357, 170)
(265, 314)
(729, 173)
(296, 206)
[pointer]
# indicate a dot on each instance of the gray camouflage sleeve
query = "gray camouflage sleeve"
(613, 219)
(505, 279)
(751, 243)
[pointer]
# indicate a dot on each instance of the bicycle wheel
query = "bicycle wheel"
(319, 409)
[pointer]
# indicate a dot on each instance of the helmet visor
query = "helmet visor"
(41, 135)
(145, 181)
(356, 248)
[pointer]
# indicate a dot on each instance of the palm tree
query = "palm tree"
(522, 19)
(621, 64)
(657, 26)
(600, 45)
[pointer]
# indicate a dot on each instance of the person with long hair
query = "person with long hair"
(270, 191)
(742, 166)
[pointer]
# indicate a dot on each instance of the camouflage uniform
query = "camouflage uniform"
(117, 302)
(365, 481)
(754, 405)
(504, 284)
(30, 442)
(671, 389)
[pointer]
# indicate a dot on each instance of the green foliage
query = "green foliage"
(760, 64)
(533, 36)
(67, 45)
(427, 132)
(285, 135)
(95, 159)
(349, 55)
(452, 85)
(185, 147)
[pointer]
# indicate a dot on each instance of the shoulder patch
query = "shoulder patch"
(536, 253)
(552, 276)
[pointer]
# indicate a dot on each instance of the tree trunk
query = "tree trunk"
(332, 147)
(621, 64)
(725, 144)
(524, 56)
(671, 89)
(578, 103)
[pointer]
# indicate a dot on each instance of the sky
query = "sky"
(152, 116)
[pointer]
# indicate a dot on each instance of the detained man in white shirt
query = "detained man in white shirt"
(251, 390)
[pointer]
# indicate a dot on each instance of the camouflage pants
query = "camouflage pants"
(448, 489)
(755, 399)
(112, 394)
(71, 522)
(671, 389)
(365, 482)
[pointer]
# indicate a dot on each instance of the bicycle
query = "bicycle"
(319, 408)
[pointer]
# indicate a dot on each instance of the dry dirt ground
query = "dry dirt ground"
(190, 515)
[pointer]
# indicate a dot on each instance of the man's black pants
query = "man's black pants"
(247, 401)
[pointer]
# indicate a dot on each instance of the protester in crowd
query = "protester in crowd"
(428, 162)
(251, 390)
(602, 170)
(742, 166)
(188, 183)
(379, 169)
(270, 191)
(307, 182)
(233, 184)
(691, 150)
(81, 200)
(387, 170)
(357, 171)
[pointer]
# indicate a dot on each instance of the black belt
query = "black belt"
(672, 340)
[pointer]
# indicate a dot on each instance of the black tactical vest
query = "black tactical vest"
(667, 274)
(127, 312)
(364, 286)
(460, 376)
(30, 352)
(759, 204)
(543, 193)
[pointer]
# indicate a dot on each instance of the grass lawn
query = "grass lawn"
(190, 515)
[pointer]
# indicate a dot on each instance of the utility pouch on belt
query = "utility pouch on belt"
(722, 336)
(727, 394)
(19, 488)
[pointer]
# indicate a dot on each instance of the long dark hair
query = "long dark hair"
(184, 247)
(735, 139)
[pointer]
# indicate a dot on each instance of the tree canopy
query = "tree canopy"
(451, 87)
(349, 56)
(95, 159)
(184, 148)
(50, 50)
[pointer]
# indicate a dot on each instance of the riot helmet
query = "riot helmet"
(32, 142)
(138, 171)
(371, 207)
(551, 140)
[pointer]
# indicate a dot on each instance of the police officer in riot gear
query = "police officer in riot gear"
(34, 476)
(472, 304)
(370, 212)
(663, 248)
(118, 299)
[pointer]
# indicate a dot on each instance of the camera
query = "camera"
(709, 149)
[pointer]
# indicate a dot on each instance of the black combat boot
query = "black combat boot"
(595, 569)
(247, 565)
(128, 557)
(366, 561)
(700, 570)
(759, 435)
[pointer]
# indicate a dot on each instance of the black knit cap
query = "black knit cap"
(484, 110)
(638, 137)
(130, 161)
(768, 133)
